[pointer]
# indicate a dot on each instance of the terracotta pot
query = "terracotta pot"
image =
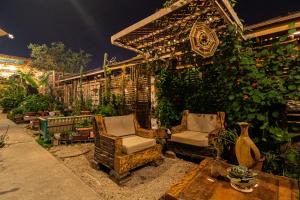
(84, 131)
(161, 133)
(30, 114)
(18, 119)
(92, 134)
(80, 137)
(43, 113)
(244, 146)
(85, 112)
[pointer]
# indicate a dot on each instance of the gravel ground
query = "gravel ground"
(146, 183)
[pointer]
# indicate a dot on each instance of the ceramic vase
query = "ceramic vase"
(247, 152)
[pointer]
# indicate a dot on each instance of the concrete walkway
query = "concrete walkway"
(29, 172)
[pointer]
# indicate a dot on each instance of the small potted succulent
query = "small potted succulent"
(242, 179)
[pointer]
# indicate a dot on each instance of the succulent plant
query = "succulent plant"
(241, 173)
(241, 178)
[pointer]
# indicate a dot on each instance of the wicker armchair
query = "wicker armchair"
(196, 133)
(123, 145)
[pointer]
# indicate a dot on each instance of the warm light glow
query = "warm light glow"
(11, 36)
(7, 70)
(8, 67)
(296, 33)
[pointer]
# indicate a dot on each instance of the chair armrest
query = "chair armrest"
(145, 133)
(111, 142)
(177, 129)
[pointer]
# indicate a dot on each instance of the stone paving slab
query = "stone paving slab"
(29, 172)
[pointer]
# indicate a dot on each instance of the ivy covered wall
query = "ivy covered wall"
(244, 80)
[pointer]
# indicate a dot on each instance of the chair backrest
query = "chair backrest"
(204, 123)
(120, 125)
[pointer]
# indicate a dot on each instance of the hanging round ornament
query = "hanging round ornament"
(204, 40)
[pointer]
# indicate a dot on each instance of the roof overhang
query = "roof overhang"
(170, 26)
(273, 26)
(2, 33)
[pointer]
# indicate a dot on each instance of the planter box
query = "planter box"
(84, 131)
(30, 114)
(80, 137)
(18, 119)
(85, 113)
(52, 125)
(42, 113)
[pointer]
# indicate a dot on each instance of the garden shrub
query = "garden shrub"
(11, 96)
(35, 103)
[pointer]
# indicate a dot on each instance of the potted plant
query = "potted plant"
(83, 129)
(241, 178)
(224, 144)
(87, 107)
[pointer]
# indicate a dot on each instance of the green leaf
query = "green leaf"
(260, 117)
(231, 97)
(291, 31)
(292, 24)
(275, 114)
(292, 87)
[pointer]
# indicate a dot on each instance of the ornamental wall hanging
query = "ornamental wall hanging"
(204, 40)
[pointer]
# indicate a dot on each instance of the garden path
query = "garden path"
(29, 172)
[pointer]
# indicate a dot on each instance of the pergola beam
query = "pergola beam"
(148, 34)
(151, 18)
(2, 33)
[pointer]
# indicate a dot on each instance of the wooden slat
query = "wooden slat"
(2, 32)
(271, 29)
(150, 19)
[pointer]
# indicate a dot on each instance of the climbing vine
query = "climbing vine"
(250, 83)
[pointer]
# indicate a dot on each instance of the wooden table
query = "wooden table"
(196, 186)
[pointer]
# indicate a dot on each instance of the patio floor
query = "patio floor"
(29, 172)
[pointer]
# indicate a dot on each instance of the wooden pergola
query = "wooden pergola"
(160, 33)
(2, 33)
(274, 26)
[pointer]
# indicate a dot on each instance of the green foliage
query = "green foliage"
(11, 95)
(245, 81)
(88, 105)
(226, 139)
(57, 57)
(283, 161)
(233, 2)
(176, 92)
(35, 103)
(77, 107)
(15, 112)
(106, 110)
(167, 3)
(87, 123)
(45, 142)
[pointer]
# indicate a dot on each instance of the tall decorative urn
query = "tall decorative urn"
(246, 151)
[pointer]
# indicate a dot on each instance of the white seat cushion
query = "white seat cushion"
(120, 125)
(132, 144)
(191, 138)
(202, 122)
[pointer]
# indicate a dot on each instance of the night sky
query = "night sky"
(89, 24)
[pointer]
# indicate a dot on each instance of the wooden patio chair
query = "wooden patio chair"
(122, 145)
(195, 135)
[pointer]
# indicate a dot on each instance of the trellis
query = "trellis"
(162, 32)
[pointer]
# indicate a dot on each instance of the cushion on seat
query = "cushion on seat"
(132, 144)
(120, 125)
(191, 138)
(202, 122)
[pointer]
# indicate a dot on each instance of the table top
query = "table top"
(196, 186)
